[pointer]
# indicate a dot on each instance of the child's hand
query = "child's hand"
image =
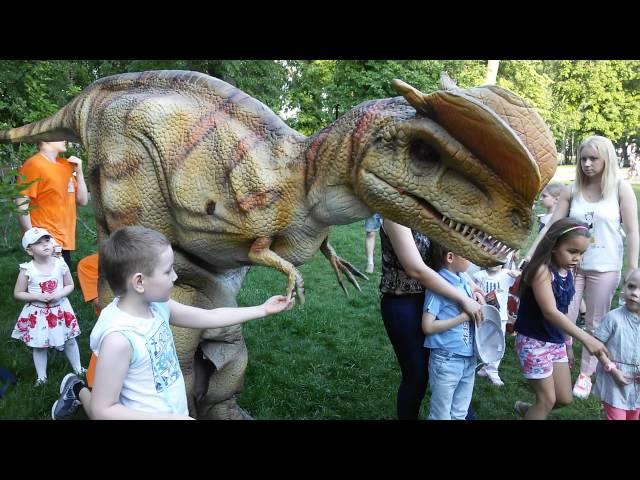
(571, 357)
(279, 303)
(619, 378)
(77, 163)
(45, 297)
(595, 346)
(473, 309)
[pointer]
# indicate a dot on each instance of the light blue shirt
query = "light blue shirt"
(459, 339)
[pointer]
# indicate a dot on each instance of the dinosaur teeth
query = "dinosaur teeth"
(486, 242)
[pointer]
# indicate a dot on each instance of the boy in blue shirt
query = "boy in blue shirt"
(449, 335)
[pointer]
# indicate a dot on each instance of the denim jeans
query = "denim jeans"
(451, 379)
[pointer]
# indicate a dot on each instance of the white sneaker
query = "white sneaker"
(482, 372)
(40, 382)
(495, 379)
(582, 388)
(369, 268)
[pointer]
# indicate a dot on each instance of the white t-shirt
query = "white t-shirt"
(501, 282)
(154, 382)
(603, 217)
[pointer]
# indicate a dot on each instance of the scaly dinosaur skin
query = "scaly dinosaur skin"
(231, 185)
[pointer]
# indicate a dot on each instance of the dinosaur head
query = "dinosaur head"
(461, 166)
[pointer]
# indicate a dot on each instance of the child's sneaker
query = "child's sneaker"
(68, 403)
(521, 408)
(482, 372)
(495, 379)
(582, 388)
(369, 268)
(41, 382)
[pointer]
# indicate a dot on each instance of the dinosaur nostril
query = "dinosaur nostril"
(210, 207)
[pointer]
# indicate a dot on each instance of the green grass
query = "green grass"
(328, 360)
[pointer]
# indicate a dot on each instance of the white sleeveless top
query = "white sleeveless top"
(603, 217)
(154, 382)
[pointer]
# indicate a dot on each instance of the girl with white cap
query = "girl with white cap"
(47, 319)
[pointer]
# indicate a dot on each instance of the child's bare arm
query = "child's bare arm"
(430, 325)
(543, 293)
(193, 317)
(67, 288)
(617, 375)
(20, 291)
(111, 370)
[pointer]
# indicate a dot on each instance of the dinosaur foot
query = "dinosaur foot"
(227, 410)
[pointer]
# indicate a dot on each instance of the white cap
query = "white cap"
(489, 338)
(33, 235)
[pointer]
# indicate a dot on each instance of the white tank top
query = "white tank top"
(603, 217)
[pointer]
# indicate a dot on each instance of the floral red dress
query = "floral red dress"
(44, 325)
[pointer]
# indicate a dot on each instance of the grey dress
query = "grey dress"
(620, 332)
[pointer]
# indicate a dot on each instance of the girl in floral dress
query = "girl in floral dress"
(47, 320)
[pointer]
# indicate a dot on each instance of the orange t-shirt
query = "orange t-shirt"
(54, 195)
(88, 277)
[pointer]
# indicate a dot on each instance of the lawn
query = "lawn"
(330, 359)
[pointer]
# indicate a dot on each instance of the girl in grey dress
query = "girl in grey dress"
(618, 375)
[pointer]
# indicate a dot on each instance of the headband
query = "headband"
(573, 228)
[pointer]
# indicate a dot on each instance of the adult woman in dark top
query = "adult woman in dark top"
(405, 274)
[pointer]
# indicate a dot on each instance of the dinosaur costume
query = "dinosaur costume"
(231, 185)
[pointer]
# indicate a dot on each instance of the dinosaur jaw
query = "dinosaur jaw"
(471, 241)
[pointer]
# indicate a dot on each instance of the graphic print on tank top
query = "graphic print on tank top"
(164, 360)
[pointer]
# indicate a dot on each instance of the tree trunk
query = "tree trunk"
(492, 72)
(625, 157)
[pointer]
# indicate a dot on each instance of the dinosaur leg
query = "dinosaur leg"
(225, 360)
(222, 357)
(260, 254)
(205, 289)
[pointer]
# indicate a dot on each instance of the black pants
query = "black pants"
(402, 317)
(66, 255)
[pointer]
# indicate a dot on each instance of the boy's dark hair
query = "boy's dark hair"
(127, 251)
(438, 254)
(560, 231)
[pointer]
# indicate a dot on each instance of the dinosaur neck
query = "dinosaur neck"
(331, 159)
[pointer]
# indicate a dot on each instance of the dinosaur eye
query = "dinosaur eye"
(423, 153)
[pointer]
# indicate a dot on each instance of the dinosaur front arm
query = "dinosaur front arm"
(260, 253)
(341, 265)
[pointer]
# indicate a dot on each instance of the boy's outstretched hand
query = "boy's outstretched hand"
(279, 303)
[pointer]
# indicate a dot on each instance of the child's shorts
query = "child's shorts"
(537, 357)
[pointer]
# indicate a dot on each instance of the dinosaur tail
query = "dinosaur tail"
(59, 126)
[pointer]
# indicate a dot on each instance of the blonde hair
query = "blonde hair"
(606, 151)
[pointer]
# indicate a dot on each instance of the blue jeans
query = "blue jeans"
(451, 379)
